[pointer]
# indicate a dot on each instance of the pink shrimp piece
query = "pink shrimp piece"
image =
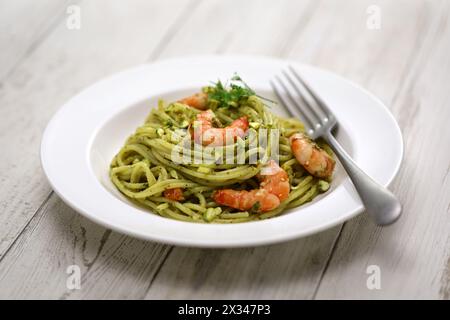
(274, 188)
(206, 134)
(198, 101)
(175, 194)
(313, 158)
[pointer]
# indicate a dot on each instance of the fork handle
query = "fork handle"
(380, 203)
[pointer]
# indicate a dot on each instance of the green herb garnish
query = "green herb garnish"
(231, 95)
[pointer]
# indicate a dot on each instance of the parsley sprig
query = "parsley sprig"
(232, 94)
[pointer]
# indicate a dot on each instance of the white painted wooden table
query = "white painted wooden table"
(406, 63)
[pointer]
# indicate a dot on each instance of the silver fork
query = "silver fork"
(378, 201)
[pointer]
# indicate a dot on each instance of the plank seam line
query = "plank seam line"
(46, 200)
(328, 262)
(158, 270)
(405, 82)
(161, 46)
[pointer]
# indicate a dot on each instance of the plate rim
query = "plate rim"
(281, 237)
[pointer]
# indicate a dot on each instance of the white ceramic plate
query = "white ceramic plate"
(88, 130)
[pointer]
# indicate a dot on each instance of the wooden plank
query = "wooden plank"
(413, 255)
(65, 63)
(105, 258)
(23, 25)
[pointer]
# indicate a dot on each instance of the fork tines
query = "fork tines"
(302, 101)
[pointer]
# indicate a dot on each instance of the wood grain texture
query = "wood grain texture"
(18, 41)
(23, 26)
(66, 62)
(401, 63)
(413, 255)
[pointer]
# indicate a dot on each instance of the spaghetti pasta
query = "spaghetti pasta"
(145, 166)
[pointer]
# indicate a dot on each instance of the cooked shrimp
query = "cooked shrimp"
(198, 101)
(245, 200)
(205, 134)
(275, 180)
(175, 194)
(274, 188)
(314, 159)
